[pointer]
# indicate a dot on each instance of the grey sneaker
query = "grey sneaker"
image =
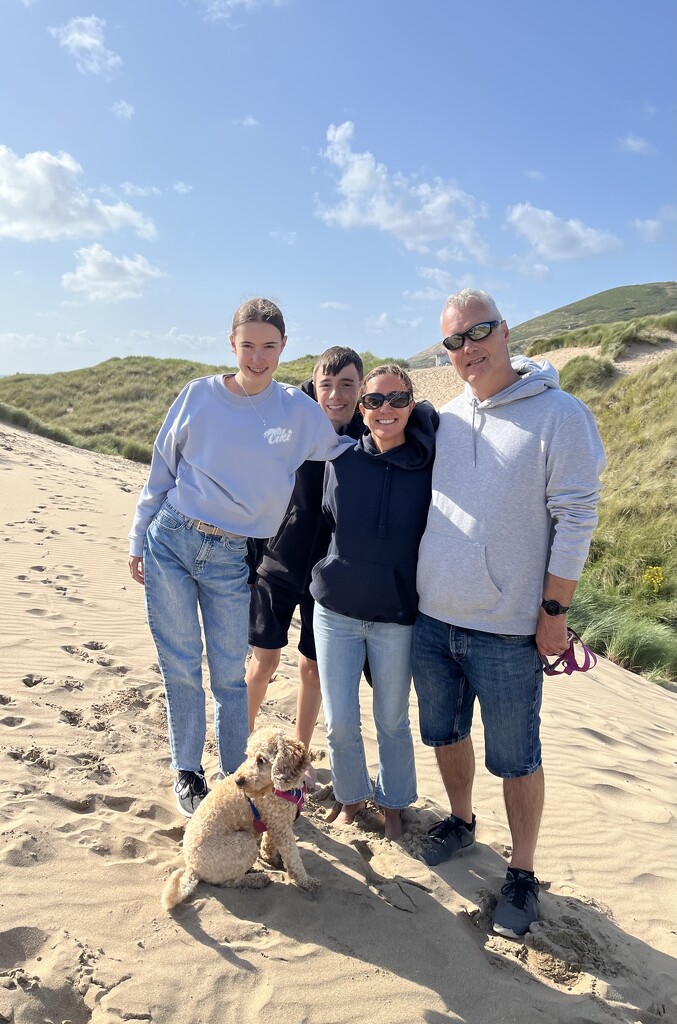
(190, 789)
(446, 838)
(517, 906)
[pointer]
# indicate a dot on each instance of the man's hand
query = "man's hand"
(551, 634)
(136, 568)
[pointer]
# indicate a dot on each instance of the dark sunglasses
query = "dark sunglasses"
(398, 400)
(476, 333)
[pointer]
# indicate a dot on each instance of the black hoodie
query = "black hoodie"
(303, 537)
(377, 505)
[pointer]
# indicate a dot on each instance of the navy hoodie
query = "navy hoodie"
(377, 505)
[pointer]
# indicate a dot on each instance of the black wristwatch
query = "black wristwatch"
(553, 607)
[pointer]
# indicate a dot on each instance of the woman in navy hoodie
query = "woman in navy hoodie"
(376, 498)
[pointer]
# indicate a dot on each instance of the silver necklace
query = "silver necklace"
(248, 397)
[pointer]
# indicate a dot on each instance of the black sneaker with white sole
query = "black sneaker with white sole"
(190, 789)
(517, 906)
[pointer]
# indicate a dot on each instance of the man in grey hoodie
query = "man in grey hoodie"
(516, 483)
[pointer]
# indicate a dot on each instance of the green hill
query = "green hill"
(614, 305)
(611, 306)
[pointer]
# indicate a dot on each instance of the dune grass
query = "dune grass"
(626, 602)
(612, 339)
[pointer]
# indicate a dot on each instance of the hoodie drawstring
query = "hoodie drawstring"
(385, 499)
(472, 431)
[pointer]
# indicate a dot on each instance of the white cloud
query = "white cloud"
(535, 175)
(651, 230)
(83, 38)
(154, 341)
(14, 343)
(123, 110)
(224, 10)
(555, 239)
(40, 199)
(283, 237)
(416, 212)
(333, 305)
(443, 284)
(246, 122)
(130, 189)
(181, 188)
(102, 277)
(632, 143)
(385, 322)
(11, 342)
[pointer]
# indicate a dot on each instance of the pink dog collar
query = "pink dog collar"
(294, 796)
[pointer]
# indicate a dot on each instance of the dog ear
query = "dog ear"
(290, 762)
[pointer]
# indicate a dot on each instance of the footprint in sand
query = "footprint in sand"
(38, 568)
(5, 700)
(34, 756)
(11, 722)
(95, 645)
(36, 611)
(31, 679)
(20, 944)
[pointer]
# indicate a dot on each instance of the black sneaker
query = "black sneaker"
(446, 838)
(190, 789)
(517, 906)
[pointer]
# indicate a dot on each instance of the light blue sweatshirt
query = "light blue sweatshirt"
(231, 460)
(516, 483)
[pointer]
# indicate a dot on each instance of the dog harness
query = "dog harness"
(294, 796)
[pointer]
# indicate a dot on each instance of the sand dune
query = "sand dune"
(90, 833)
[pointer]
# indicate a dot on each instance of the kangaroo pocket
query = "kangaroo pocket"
(362, 590)
(453, 578)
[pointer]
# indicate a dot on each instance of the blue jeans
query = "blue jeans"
(341, 644)
(183, 569)
(453, 665)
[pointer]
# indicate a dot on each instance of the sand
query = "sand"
(90, 833)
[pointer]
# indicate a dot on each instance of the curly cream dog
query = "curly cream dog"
(220, 842)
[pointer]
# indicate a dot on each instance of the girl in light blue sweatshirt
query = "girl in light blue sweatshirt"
(223, 470)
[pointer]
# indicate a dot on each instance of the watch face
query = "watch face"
(554, 607)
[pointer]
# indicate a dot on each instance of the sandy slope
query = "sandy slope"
(89, 831)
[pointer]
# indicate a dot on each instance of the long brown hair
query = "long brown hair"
(258, 310)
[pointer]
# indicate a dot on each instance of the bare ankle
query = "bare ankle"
(393, 822)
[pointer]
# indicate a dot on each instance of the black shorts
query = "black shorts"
(270, 613)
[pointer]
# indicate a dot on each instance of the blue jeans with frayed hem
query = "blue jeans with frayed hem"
(342, 643)
(185, 570)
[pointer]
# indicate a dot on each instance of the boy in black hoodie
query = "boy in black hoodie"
(281, 567)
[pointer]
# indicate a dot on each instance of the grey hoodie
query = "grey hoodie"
(515, 490)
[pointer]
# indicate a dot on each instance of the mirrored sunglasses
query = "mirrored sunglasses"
(398, 399)
(476, 333)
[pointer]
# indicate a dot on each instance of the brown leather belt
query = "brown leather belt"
(212, 531)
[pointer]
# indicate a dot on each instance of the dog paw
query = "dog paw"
(310, 884)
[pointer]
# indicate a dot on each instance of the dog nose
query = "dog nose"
(239, 782)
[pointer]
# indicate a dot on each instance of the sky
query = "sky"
(163, 160)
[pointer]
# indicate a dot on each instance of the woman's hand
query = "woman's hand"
(136, 568)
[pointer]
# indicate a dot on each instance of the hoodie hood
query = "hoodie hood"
(534, 379)
(419, 447)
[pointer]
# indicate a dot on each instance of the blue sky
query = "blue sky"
(162, 160)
